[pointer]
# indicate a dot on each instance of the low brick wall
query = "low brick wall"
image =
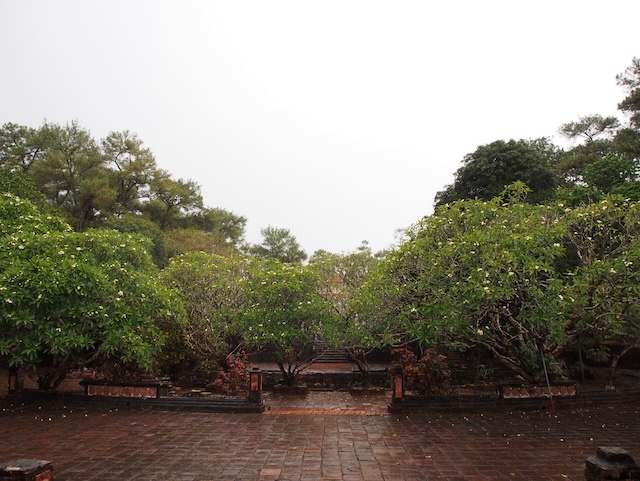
(411, 403)
(328, 380)
(151, 389)
(517, 391)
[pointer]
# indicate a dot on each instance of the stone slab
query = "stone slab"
(27, 470)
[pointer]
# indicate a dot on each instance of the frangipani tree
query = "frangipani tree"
(484, 274)
(520, 281)
(285, 311)
(69, 298)
(605, 237)
(340, 278)
(212, 291)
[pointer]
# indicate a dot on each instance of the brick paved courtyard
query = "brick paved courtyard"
(323, 436)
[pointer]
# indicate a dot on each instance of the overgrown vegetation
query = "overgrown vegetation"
(109, 262)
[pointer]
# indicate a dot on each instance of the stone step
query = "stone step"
(331, 356)
(324, 354)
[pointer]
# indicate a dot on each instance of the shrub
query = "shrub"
(234, 379)
(429, 375)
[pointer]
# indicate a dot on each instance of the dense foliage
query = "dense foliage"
(428, 375)
(532, 251)
(70, 299)
(340, 279)
(285, 312)
(212, 290)
(487, 171)
(100, 183)
(522, 282)
(280, 244)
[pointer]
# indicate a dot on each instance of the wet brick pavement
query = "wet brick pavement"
(337, 403)
(323, 436)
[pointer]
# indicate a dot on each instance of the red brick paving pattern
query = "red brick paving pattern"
(86, 445)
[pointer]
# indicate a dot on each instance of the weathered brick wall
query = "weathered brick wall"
(516, 392)
(122, 391)
(330, 380)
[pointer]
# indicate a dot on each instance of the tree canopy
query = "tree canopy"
(340, 279)
(280, 244)
(69, 298)
(486, 172)
(93, 184)
(532, 249)
(630, 81)
(606, 161)
(212, 292)
(517, 280)
(283, 310)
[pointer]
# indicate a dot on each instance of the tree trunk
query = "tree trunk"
(363, 367)
(57, 373)
(289, 375)
(509, 363)
(615, 360)
(610, 385)
(52, 379)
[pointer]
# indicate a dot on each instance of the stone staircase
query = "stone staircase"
(324, 354)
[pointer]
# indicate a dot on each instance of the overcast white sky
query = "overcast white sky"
(339, 120)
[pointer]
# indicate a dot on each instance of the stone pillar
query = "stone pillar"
(255, 385)
(397, 384)
(611, 463)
